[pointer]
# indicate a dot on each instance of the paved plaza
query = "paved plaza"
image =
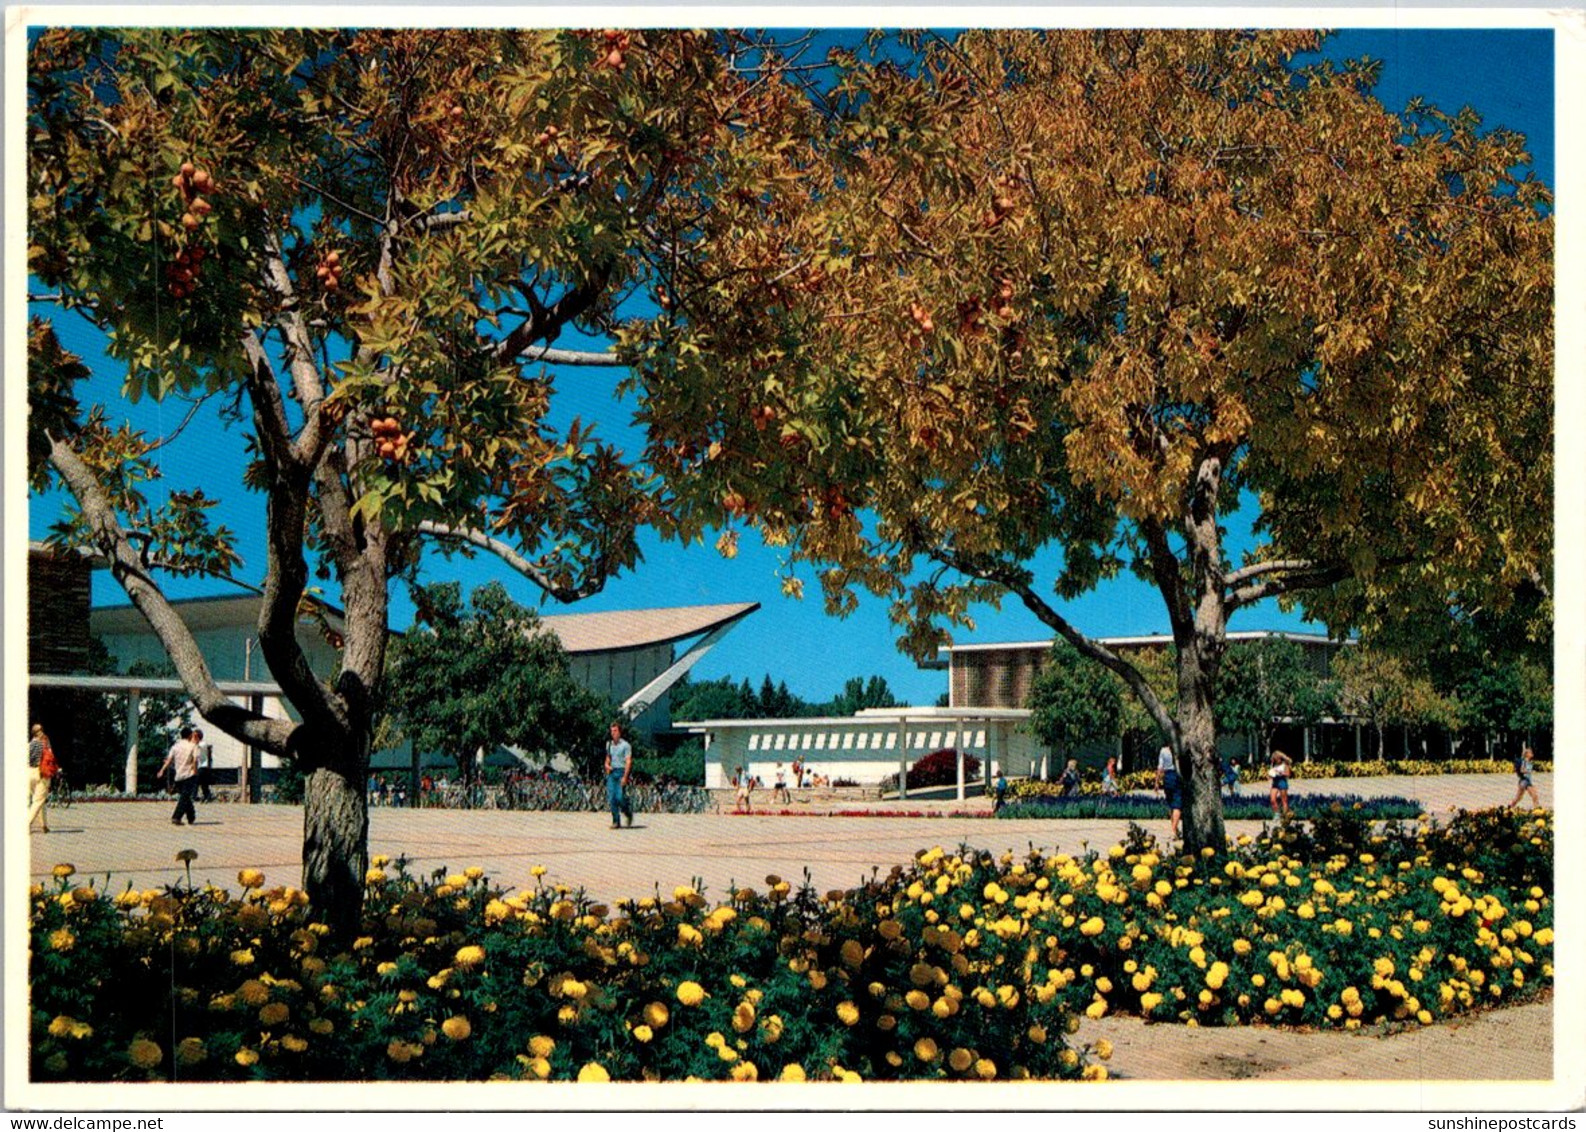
(135, 842)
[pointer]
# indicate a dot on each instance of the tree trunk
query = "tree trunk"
(336, 839)
(1197, 752)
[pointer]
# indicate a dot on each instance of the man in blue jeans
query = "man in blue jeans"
(619, 764)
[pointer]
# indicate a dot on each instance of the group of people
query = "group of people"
(1167, 781)
(746, 784)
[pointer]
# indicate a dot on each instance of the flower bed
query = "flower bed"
(863, 814)
(457, 980)
(1257, 775)
(1330, 924)
(958, 966)
(1255, 807)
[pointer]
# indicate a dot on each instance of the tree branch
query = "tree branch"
(1165, 571)
(512, 558)
(1310, 578)
(1017, 581)
(127, 567)
(548, 322)
(557, 357)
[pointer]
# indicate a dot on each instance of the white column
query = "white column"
(134, 700)
(903, 758)
(965, 736)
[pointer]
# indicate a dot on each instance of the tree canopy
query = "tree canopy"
(1074, 701)
(1080, 294)
(472, 679)
(364, 243)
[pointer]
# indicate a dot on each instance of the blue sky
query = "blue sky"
(1506, 75)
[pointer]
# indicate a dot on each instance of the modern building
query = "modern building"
(631, 657)
(988, 686)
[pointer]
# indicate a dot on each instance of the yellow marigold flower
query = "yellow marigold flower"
(253, 992)
(656, 1014)
(322, 1026)
(745, 1071)
(1150, 1001)
(1096, 1009)
(293, 1044)
(917, 999)
(925, 1049)
(743, 1017)
(1093, 926)
(848, 1013)
(274, 1013)
(1103, 984)
(642, 1033)
(1104, 1049)
(771, 1029)
(473, 872)
(386, 968)
(242, 957)
(145, 1054)
(960, 1059)
(541, 1046)
(469, 957)
(985, 1068)
(457, 1027)
(1383, 966)
(374, 876)
(399, 1051)
(63, 870)
(61, 939)
(792, 1072)
(890, 929)
(690, 993)
(1094, 1073)
(190, 1051)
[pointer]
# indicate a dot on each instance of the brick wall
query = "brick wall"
(58, 601)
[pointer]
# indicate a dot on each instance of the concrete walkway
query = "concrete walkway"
(135, 842)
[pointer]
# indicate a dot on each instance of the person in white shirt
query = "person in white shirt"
(619, 765)
(183, 761)
(1167, 780)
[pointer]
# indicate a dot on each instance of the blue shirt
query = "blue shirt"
(619, 753)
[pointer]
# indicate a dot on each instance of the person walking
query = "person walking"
(183, 764)
(1069, 780)
(42, 767)
(1231, 777)
(744, 804)
(619, 766)
(1000, 791)
(1279, 773)
(1522, 770)
(206, 757)
(1168, 782)
(1109, 777)
(780, 793)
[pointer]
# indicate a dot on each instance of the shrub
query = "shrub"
(940, 768)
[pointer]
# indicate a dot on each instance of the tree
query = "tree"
(490, 675)
(363, 244)
(1078, 296)
(1074, 701)
(1385, 690)
(1265, 682)
(710, 699)
(859, 694)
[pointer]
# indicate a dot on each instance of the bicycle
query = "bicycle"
(61, 794)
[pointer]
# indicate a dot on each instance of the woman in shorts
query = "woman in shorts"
(1279, 773)
(1522, 770)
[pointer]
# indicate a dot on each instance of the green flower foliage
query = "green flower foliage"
(456, 979)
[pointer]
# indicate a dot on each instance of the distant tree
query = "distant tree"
(486, 676)
(1265, 682)
(859, 694)
(1074, 701)
(1503, 695)
(776, 702)
(711, 699)
(1386, 690)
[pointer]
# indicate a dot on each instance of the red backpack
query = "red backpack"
(48, 767)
